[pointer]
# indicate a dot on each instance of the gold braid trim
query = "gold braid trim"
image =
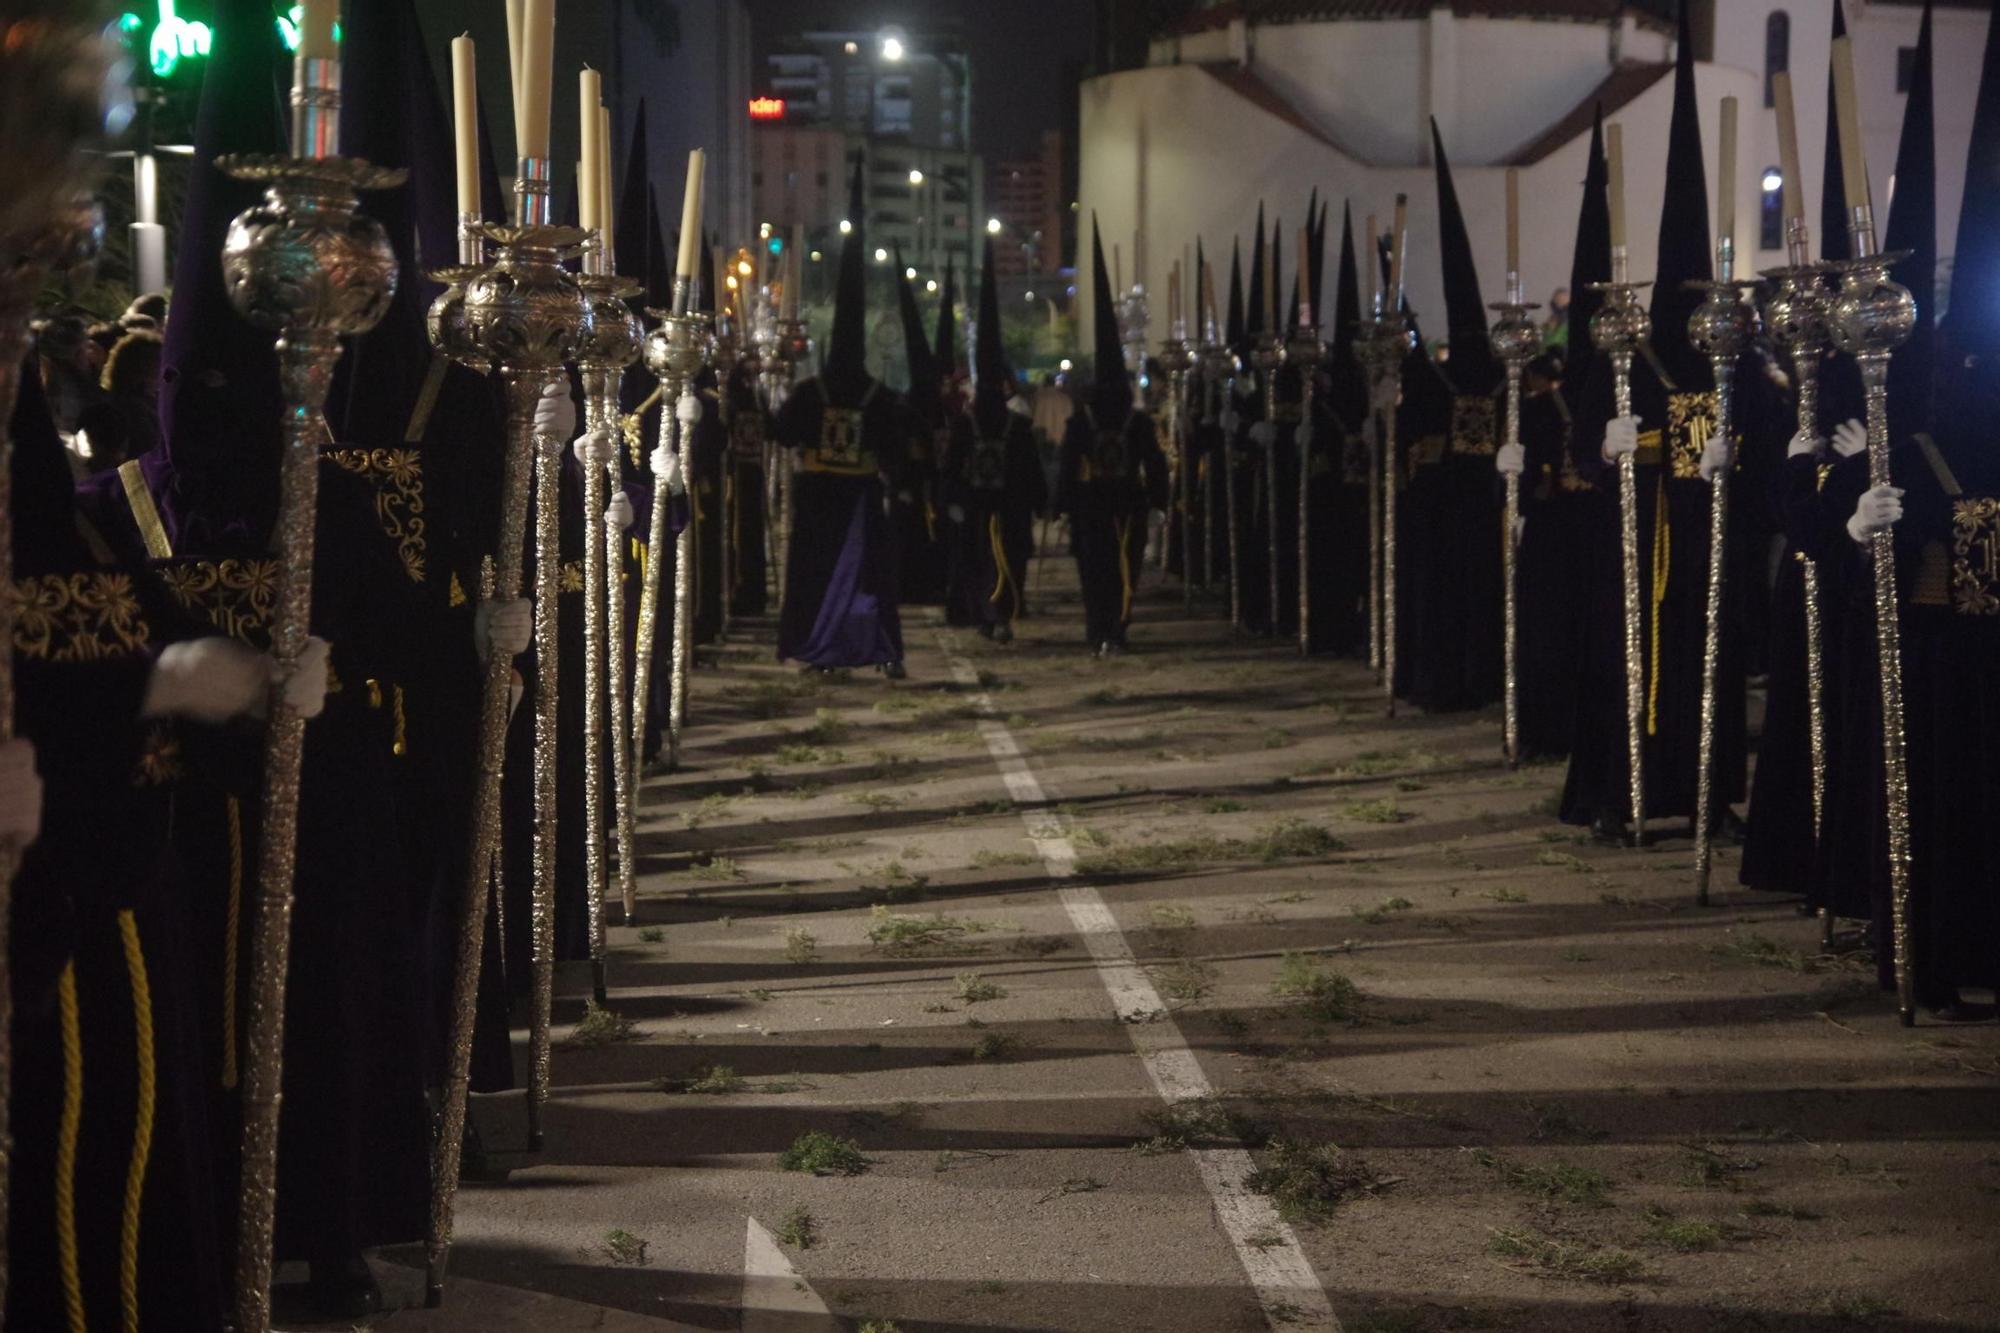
(144, 512)
(93, 616)
(231, 927)
(142, 1120)
(69, 1129)
(398, 478)
(1662, 552)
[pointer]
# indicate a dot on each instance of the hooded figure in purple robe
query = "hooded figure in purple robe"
(846, 433)
(924, 539)
(993, 485)
(1110, 475)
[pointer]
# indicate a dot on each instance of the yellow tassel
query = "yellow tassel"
(68, 1131)
(231, 927)
(1662, 552)
(142, 1120)
(1005, 578)
(1124, 572)
(400, 746)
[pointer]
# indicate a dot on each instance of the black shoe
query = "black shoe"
(985, 630)
(1728, 827)
(1956, 1010)
(1003, 633)
(343, 1288)
(895, 671)
(1608, 830)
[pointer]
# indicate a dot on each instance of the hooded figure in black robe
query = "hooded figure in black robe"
(845, 431)
(355, 1129)
(708, 457)
(923, 544)
(1457, 547)
(1564, 515)
(743, 518)
(1946, 538)
(1673, 400)
(993, 485)
(1337, 537)
(1110, 475)
(1267, 480)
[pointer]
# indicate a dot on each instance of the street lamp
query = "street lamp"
(993, 226)
(892, 47)
(916, 176)
(845, 226)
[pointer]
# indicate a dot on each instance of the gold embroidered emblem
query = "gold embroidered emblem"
(569, 578)
(840, 446)
(1472, 428)
(159, 759)
(83, 617)
(1975, 556)
(238, 597)
(1692, 419)
(398, 477)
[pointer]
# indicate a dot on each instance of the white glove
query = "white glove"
(503, 625)
(555, 414)
(1716, 456)
(1877, 511)
(956, 513)
(1263, 434)
(596, 448)
(305, 688)
(1621, 437)
(688, 410)
(1850, 438)
(216, 679)
(1229, 421)
(1806, 445)
(619, 512)
(20, 794)
(1510, 459)
(666, 465)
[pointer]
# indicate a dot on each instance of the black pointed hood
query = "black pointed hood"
(1685, 254)
(635, 214)
(1834, 242)
(1913, 227)
(1197, 333)
(916, 344)
(944, 348)
(989, 355)
(1350, 384)
(1233, 331)
(844, 369)
(1316, 258)
(1254, 315)
(219, 393)
(392, 115)
(1111, 394)
(1472, 366)
(1972, 318)
(1591, 262)
(1282, 313)
(704, 301)
(659, 261)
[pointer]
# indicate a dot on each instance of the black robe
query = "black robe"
(1109, 477)
(998, 484)
(1553, 574)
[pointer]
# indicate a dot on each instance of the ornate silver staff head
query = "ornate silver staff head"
(525, 312)
(302, 261)
(1722, 324)
(1873, 314)
(612, 334)
(1514, 337)
(1621, 324)
(1796, 314)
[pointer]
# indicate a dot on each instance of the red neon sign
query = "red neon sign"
(767, 108)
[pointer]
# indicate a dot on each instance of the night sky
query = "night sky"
(1020, 51)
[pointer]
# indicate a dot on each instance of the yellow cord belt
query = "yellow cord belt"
(1124, 572)
(1662, 553)
(67, 1133)
(142, 1120)
(1005, 579)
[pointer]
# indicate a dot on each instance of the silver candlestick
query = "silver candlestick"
(1382, 343)
(1621, 326)
(1719, 328)
(303, 264)
(1177, 359)
(1267, 356)
(1220, 369)
(522, 314)
(1870, 319)
(1516, 341)
(1308, 352)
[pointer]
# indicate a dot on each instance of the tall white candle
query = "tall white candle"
(1614, 162)
(1788, 145)
(465, 121)
(1725, 197)
(589, 190)
(607, 208)
(316, 20)
(516, 41)
(1847, 108)
(690, 253)
(538, 32)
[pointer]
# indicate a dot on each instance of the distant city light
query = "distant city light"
(916, 176)
(881, 255)
(743, 267)
(763, 231)
(1064, 365)
(1027, 296)
(993, 226)
(852, 48)
(931, 286)
(910, 273)
(1774, 180)
(817, 256)
(845, 226)
(892, 47)
(767, 108)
